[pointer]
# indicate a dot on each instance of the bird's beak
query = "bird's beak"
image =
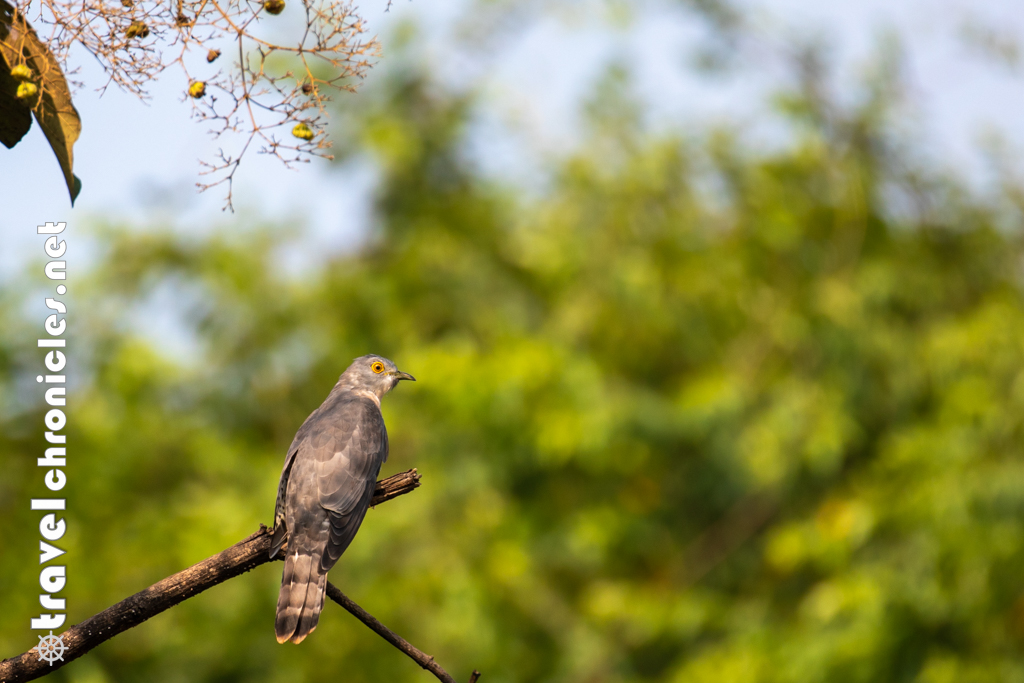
(405, 375)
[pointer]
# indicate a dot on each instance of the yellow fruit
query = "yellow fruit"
(21, 72)
(212, 55)
(27, 91)
(197, 89)
(273, 6)
(303, 132)
(137, 29)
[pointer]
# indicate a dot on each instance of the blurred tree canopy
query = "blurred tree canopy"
(694, 413)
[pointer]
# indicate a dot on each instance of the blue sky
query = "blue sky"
(139, 162)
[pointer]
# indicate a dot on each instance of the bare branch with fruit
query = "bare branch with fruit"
(271, 97)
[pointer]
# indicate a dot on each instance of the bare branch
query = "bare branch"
(245, 555)
(135, 41)
(421, 658)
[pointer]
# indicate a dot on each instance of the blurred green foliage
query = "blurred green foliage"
(695, 413)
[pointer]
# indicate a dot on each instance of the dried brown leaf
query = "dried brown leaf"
(15, 118)
(54, 110)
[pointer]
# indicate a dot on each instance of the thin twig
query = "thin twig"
(136, 41)
(418, 656)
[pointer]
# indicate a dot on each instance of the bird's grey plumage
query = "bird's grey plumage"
(329, 475)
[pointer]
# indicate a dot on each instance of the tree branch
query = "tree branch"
(421, 658)
(243, 556)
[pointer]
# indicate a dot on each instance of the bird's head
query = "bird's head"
(373, 373)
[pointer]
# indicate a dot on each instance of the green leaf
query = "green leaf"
(53, 110)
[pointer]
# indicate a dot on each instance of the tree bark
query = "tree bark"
(241, 557)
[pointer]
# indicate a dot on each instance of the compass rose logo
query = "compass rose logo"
(51, 648)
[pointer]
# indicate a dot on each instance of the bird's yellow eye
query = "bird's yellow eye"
(377, 366)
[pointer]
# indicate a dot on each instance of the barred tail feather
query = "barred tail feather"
(310, 615)
(301, 598)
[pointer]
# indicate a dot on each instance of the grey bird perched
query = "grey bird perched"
(326, 486)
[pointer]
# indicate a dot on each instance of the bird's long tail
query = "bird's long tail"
(301, 597)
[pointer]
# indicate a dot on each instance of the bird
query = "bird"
(327, 483)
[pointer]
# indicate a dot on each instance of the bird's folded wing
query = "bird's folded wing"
(348, 453)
